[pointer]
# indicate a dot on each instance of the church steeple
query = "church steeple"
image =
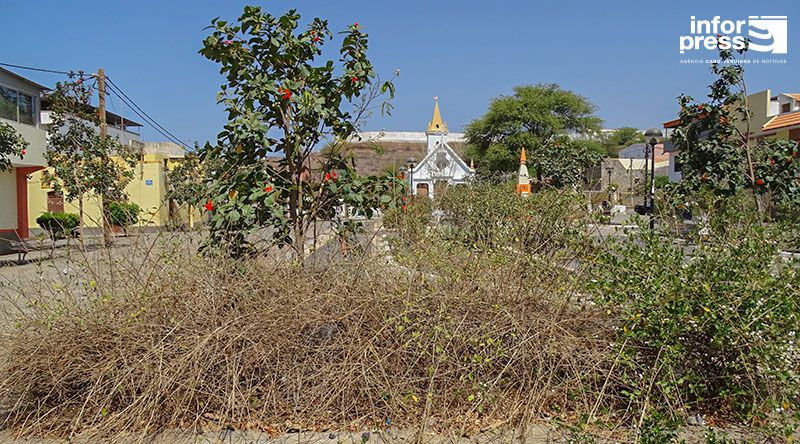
(437, 125)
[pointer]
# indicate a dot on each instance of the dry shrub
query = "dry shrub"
(212, 343)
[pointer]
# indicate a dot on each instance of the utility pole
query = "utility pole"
(101, 110)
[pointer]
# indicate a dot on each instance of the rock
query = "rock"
(696, 420)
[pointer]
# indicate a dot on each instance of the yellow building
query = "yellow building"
(148, 189)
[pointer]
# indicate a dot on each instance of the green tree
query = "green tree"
(81, 161)
(186, 183)
(281, 99)
(537, 117)
(625, 136)
(12, 144)
(718, 151)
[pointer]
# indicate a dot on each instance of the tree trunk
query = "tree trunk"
(296, 210)
(80, 222)
(107, 236)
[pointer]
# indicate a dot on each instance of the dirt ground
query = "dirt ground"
(534, 435)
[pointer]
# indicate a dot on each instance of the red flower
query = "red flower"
(404, 208)
(699, 107)
(354, 79)
(327, 177)
(403, 198)
(333, 174)
(772, 162)
(316, 38)
(268, 189)
(356, 25)
(23, 152)
(209, 205)
(227, 42)
(719, 35)
(286, 94)
(759, 181)
(79, 82)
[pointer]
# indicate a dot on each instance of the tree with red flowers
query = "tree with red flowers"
(718, 151)
(12, 144)
(282, 102)
(777, 173)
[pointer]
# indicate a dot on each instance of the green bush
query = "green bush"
(712, 328)
(58, 225)
(123, 214)
(411, 218)
(495, 218)
(661, 181)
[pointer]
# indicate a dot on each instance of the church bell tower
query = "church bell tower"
(437, 128)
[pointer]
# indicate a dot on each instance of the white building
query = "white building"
(20, 104)
(441, 166)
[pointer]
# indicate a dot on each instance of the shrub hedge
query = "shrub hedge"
(59, 225)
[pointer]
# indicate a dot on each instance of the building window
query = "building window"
(8, 103)
(17, 106)
(786, 107)
(26, 108)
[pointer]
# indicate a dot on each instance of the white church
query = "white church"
(441, 166)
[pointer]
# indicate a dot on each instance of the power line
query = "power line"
(120, 94)
(30, 68)
(141, 113)
(143, 117)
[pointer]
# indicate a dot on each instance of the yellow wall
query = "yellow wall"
(759, 107)
(148, 189)
(8, 200)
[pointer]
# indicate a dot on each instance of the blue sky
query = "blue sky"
(622, 55)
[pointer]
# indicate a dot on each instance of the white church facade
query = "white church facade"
(441, 167)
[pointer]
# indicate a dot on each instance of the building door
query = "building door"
(55, 202)
(422, 189)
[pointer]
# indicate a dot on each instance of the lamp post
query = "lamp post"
(411, 163)
(652, 137)
(402, 170)
(646, 174)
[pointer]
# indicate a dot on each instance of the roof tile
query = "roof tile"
(782, 121)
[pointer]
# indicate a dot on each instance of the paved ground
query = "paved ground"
(535, 434)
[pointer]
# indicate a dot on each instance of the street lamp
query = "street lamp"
(609, 170)
(652, 137)
(411, 163)
(402, 170)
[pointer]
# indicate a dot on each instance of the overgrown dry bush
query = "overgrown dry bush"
(184, 341)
